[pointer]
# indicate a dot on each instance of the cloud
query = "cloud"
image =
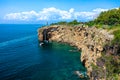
(53, 13)
(21, 16)
(99, 10)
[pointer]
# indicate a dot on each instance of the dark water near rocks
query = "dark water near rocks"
(21, 57)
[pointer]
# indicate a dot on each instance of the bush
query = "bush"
(74, 22)
(110, 17)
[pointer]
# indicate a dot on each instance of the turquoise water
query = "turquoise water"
(21, 57)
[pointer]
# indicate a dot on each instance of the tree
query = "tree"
(74, 22)
(110, 17)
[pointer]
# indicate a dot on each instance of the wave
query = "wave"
(2, 44)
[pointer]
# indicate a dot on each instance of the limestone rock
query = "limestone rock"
(89, 39)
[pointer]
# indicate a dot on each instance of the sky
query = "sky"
(41, 11)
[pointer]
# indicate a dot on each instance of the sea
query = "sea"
(22, 58)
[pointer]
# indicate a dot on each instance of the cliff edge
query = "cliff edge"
(89, 40)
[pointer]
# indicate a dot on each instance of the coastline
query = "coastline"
(89, 40)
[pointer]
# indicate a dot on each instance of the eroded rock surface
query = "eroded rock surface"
(89, 40)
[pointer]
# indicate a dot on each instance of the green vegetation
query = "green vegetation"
(116, 36)
(59, 23)
(110, 17)
(112, 67)
(98, 72)
(112, 70)
(116, 31)
(74, 22)
(109, 20)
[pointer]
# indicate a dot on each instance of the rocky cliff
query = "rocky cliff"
(89, 40)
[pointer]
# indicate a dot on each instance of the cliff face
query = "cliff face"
(89, 40)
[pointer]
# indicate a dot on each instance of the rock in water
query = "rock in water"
(41, 43)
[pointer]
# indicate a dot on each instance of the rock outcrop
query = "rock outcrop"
(89, 40)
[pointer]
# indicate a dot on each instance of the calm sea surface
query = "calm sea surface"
(21, 57)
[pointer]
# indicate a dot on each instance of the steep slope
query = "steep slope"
(89, 40)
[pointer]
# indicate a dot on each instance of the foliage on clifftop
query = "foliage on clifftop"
(110, 17)
(109, 20)
(108, 66)
(74, 22)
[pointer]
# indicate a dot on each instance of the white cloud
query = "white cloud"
(21, 16)
(99, 10)
(54, 14)
(71, 10)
